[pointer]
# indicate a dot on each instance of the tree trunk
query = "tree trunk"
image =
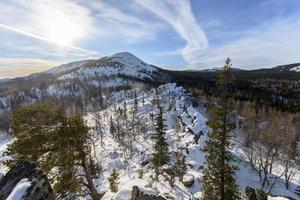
(90, 184)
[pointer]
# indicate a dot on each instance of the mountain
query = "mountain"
(85, 85)
(106, 88)
(288, 68)
(90, 81)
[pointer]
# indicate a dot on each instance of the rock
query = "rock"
(188, 180)
(261, 195)
(144, 162)
(136, 194)
(250, 193)
(258, 194)
(39, 187)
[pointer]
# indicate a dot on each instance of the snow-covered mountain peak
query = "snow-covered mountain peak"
(128, 59)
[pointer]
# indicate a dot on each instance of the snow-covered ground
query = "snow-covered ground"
(20, 190)
(183, 119)
(4, 141)
(177, 105)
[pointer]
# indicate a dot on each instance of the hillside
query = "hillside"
(85, 85)
(186, 132)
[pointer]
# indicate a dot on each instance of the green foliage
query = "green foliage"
(261, 195)
(57, 143)
(141, 174)
(219, 182)
(34, 124)
(114, 181)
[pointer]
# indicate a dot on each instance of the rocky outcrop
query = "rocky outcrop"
(136, 194)
(38, 186)
(250, 193)
(258, 194)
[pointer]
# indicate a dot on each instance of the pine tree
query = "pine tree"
(60, 143)
(114, 181)
(218, 178)
(112, 128)
(161, 154)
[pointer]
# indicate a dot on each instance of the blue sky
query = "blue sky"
(176, 34)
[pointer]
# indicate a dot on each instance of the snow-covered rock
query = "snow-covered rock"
(188, 180)
(25, 181)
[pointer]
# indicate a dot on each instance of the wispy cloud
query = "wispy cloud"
(272, 43)
(28, 34)
(178, 14)
(128, 25)
(59, 22)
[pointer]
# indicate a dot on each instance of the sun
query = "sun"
(61, 28)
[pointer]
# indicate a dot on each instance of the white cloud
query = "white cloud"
(178, 14)
(127, 25)
(272, 43)
(60, 22)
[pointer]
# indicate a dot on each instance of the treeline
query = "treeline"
(265, 91)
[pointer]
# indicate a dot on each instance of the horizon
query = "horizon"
(177, 35)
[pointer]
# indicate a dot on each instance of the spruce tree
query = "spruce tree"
(114, 181)
(112, 128)
(161, 154)
(218, 179)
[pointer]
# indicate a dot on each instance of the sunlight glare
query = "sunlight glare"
(60, 28)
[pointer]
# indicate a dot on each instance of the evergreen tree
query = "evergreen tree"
(114, 181)
(218, 178)
(161, 154)
(136, 102)
(112, 128)
(125, 111)
(60, 143)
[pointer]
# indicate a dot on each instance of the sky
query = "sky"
(176, 34)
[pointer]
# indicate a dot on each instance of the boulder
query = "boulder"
(136, 194)
(29, 181)
(188, 180)
(250, 193)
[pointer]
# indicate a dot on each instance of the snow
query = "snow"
(188, 178)
(177, 105)
(66, 67)
(4, 141)
(193, 121)
(277, 198)
(124, 64)
(295, 69)
(20, 190)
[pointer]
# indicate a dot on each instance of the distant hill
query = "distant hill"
(84, 85)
